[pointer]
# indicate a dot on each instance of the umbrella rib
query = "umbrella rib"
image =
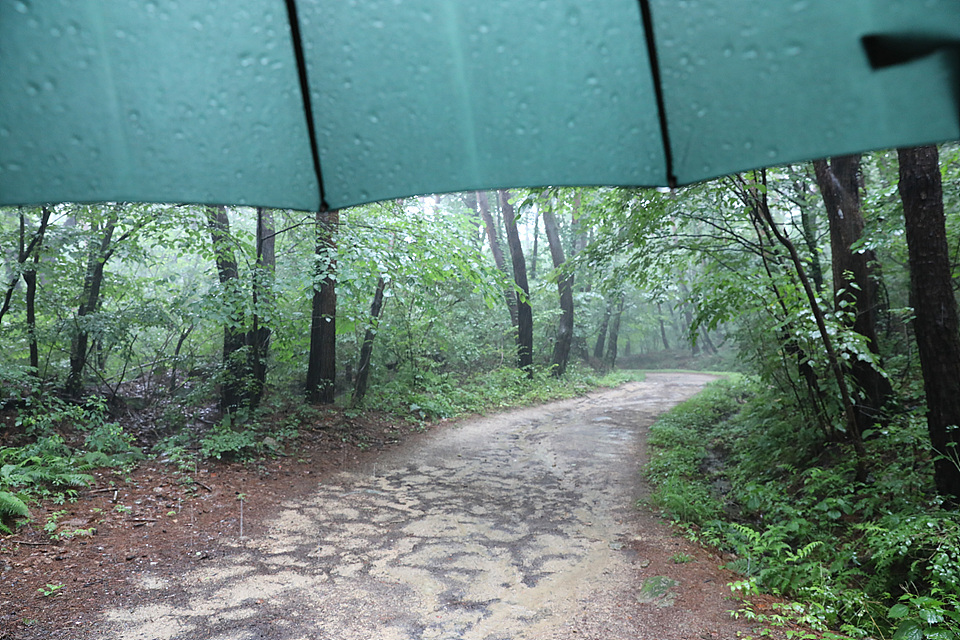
(294, 22)
(647, 16)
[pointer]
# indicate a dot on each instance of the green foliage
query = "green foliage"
(862, 558)
(226, 441)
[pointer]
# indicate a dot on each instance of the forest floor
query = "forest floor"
(516, 525)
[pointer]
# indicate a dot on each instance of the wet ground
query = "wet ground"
(521, 525)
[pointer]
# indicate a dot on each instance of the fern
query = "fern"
(11, 507)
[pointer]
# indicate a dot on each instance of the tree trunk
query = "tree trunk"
(233, 386)
(263, 276)
(366, 349)
(97, 257)
(602, 334)
(853, 284)
(935, 309)
(25, 252)
(483, 205)
(611, 359)
(30, 277)
(663, 329)
(524, 311)
(561, 348)
(322, 368)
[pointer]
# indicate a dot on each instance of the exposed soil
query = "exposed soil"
(518, 525)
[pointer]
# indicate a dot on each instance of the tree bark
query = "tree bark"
(322, 368)
(263, 276)
(663, 329)
(935, 309)
(611, 359)
(483, 204)
(561, 348)
(25, 252)
(97, 256)
(602, 334)
(524, 311)
(233, 386)
(853, 284)
(366, 349)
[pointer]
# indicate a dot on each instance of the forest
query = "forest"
(826, 464)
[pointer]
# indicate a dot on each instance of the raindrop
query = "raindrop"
(378, 24)
(55, 32)
(799, 6)
(793, 49)
(751, 53)
(573, 16)
(32, 89)
(520, 131)
(593, 80)
(4, 132)
(196, 24)
(728, 51)
(246, 59)
(374, 118)
(120, 34)
(21, 6)
(772, 152)
(483, 28)
(571, 123)
(73, 28)
(14, 166)
(748, 145)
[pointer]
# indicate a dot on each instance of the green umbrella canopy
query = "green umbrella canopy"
(159, 100)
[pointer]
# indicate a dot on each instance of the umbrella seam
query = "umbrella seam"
(647, 19)
(298, 53)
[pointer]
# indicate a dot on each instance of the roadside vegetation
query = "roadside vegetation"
(877, 557)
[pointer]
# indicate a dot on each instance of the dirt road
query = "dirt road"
(521, 525)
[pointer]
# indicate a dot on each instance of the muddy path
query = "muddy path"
(519, 525)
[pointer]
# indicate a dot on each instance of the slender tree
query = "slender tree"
(322, 367)
(233, 386)
(483, 205)
(263, 277)
(366, 348)
(524, 311)
(935, 309)
(853, 283)
(561, 348)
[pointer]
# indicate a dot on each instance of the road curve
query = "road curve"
(520, 525)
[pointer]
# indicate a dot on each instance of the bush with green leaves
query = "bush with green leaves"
(878, 556)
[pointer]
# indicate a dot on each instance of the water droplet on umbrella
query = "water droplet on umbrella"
(21, 6)
(772, 152)
(483, 28)
(33, 89)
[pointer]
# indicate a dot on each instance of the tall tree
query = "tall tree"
(935, 309)
(366, 348)
(524, 311)
(561, 348)
(263, 278)
(483, 205)
(234, 383)
(322, 367)
(853, 283)
(25, 251)
(611, 358)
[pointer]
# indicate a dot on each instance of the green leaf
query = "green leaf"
(898, 611)
(909, 630)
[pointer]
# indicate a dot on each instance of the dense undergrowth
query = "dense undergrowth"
(878, 558)
(53, 445)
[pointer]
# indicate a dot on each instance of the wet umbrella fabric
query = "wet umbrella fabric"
(205, 102)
